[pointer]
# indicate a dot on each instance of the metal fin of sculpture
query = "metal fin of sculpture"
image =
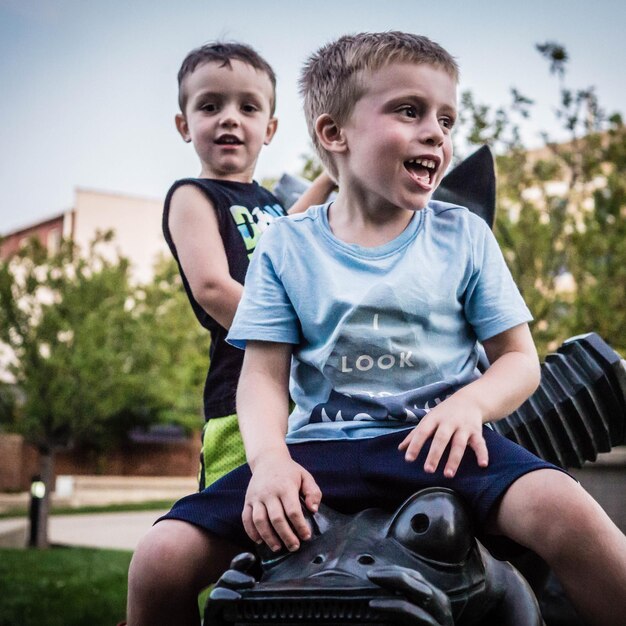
(579, 409)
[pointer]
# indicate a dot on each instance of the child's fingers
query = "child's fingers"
(297, 524)
(437, 448)
(261, 527)
(415, 442)
(403, 444)
(479, 445)
(248, 524)
(280, 514)
(457, 450)
(311, 493)
(406, 441)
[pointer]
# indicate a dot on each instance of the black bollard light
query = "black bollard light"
(37, 494)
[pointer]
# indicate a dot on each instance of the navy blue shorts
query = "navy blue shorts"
(357, 474)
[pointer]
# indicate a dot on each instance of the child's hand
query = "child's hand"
(272, 511)
(452, 422)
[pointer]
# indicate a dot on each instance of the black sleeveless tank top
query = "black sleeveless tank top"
(243, 211)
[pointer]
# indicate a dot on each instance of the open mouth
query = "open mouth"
(228, 140)
(422, 171)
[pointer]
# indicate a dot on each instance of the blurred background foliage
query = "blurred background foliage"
(561, 219)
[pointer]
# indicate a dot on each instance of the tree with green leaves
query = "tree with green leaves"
(180, 347)
(561, 209)
(598, 240)
(90, 356)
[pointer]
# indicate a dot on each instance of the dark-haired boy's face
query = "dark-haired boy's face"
(228, 118)
(399, 135)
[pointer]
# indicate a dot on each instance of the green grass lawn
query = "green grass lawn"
(63, 587)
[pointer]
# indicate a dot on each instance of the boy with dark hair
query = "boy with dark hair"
(227, 98)
(376, 330)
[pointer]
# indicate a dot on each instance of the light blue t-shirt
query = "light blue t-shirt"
(381, 334)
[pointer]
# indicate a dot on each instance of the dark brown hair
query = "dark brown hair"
(223, 53)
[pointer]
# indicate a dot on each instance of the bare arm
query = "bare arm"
(317, 193)
(196, 235)
(512, 377)
(272, 509)
(263, 399)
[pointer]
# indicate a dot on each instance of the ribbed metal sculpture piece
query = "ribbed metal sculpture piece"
(579, 408)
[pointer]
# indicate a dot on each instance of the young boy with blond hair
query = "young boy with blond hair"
(370, 309)
(227, 99)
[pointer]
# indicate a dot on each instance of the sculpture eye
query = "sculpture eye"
(434, 525)
(420, 523)
(366, 559)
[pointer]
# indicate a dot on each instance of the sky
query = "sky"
(89, 86)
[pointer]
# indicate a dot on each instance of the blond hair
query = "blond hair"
(332, 79)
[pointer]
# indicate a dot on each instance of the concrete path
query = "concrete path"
(119, 531)
(101, 530)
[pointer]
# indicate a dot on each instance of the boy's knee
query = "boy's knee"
(169, 554)
(548, 508)
(176, 555)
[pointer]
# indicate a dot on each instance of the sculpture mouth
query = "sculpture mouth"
(332, 582)
(327, 606)
(340, 576)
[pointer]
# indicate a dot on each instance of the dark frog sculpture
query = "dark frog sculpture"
(420, 565)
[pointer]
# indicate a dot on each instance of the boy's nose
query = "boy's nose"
(431, 131)
(229, 117)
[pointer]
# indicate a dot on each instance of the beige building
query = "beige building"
(136, 222)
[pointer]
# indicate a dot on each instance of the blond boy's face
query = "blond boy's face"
(398, 136)
(228, 118)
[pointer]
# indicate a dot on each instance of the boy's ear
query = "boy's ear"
(272, 125)
(329, 134)
(182, 127)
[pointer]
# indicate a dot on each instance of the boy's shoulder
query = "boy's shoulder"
(439, 207)
(291, 231)
(456, 214)
(211, 183)
(231, 192)
(310, 216)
